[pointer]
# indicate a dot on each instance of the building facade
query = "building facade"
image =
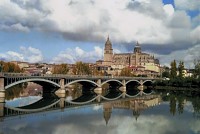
(141, 63)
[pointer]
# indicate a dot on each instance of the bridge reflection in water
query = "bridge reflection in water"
(91, 85)
(92, 89)
(51, 102)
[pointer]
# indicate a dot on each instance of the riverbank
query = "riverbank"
(176, 88)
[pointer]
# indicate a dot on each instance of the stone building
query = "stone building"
(141, 63)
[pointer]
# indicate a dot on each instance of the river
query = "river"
(163, 113)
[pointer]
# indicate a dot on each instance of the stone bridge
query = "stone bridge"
(61, 82)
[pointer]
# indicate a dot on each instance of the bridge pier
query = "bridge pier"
(62, 96)
(123, 89)
(141, 87)
(2, 105)
(62, 103)
(61, 90)
(2, 98)
(98, 90)
(2, 90)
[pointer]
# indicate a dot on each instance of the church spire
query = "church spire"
(137, 48)
(108, 44)
(137, 44)
(108, 38)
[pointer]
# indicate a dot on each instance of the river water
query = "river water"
(164, 113)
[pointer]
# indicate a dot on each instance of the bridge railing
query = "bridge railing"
(70, 76)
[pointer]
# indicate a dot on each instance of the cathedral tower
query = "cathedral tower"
(137, 51)
(108, 53)
(137, 48)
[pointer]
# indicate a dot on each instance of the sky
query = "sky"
(67, 31)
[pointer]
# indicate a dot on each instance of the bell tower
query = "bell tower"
(108, 52)
(137, 48)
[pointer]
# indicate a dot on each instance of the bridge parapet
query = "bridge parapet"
(11, 79)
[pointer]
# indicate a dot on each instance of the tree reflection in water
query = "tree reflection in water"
(177, 100)
(15, 91)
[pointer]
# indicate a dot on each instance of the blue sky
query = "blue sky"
(71, 30)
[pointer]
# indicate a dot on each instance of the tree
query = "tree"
(196, 68)
(166, 71)
(180, 69)
(165, 74)
(81, 69)
(126, 72)
(97, 72)
(60, 69)
(173, 73)
(10, 67)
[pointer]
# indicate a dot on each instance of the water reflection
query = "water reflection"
(162, 113)
(116, 117)
(137, 105)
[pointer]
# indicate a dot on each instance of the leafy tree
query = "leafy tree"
(81, 69)
(10, 67)
(60, 69)
(126, 72)
(196, 68)
(165, 74)
(97, 72)
(180, 69)
(173, 73)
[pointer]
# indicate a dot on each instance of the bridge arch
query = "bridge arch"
(31, 80)
(111, 80)
(133, 80)
(81, 80)
(147, 81)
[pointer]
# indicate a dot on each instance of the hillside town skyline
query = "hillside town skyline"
(138, 62)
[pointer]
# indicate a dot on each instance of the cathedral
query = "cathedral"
(140, 62)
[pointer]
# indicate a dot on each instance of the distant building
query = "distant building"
(140, 63)
(21, 64)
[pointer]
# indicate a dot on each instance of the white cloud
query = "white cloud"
(169, 9)
(148, 21)
(187, 4)
(32, 55)
(125, 20)
(195, 35)
(65, 57)
(79, 51)
(187, 56)
(29, 54)
(98, 51)
(12, 56)
(14, 27)
(78, 54)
